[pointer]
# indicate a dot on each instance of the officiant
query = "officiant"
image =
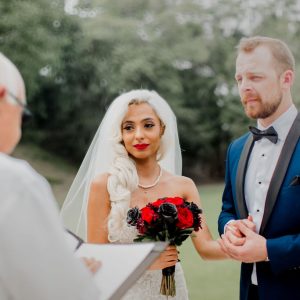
(35, 260)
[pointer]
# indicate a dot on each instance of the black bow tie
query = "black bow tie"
(269, 133)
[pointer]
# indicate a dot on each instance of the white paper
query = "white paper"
(119, 262)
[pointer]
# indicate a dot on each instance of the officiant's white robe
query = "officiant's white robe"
(35, 261)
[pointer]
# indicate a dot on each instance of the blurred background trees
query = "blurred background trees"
(77, 56)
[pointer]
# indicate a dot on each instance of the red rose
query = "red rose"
(185, 218)
(158, 202)
(176, 201)
(148, 214)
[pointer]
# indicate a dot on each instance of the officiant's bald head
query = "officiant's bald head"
(12, 104)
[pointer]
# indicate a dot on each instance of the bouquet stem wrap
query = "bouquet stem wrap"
(168, 286)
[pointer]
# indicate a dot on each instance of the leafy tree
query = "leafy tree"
(76, 63)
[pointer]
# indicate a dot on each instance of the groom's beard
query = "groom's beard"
(261, 109)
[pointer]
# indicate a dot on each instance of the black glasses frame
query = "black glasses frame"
(26, 111)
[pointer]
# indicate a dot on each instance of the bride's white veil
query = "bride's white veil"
(101, 154)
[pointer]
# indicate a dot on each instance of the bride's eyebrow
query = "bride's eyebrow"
(148, 119)
(127, 122)
(132, 122)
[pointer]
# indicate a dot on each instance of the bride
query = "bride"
(134, 159)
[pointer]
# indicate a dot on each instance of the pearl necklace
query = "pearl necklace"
(154, 183)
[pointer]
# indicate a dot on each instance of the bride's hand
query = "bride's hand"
(167, 258)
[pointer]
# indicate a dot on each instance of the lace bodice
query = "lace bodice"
(128, 234)
(148, 286)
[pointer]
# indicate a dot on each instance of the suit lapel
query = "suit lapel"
(240, 178)
(280, 170)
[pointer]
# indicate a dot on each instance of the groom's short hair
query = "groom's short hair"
(282, 55)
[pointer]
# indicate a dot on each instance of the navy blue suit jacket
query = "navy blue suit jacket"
(280, 277)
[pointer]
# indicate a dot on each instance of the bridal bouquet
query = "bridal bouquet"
(166, 219)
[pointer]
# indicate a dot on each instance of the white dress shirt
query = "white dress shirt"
(261, 166)
(35, 260)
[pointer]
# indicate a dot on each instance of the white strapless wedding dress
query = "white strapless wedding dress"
(148, 286)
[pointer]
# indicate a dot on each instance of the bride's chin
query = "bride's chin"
(139, 155)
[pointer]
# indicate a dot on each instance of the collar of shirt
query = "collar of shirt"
(282, 124)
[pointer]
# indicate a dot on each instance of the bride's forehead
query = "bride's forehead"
(139, 111)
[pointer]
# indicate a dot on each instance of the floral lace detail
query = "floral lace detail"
(128, 233)
(148, 286)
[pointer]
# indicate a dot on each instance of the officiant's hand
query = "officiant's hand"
(167, 258)
(92, 264)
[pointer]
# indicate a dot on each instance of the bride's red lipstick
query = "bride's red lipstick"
(141, 146)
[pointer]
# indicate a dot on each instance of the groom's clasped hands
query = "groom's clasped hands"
(242, 243)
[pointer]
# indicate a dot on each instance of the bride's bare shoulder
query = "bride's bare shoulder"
(99, 187)
(100, 181)
(177, 179)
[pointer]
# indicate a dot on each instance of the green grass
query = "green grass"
(209, 280)
(206, 280)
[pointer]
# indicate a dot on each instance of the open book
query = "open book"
(121, 264)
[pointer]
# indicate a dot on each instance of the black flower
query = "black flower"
(194, 208)
(196, 213)
(133, 215)
(169, 212)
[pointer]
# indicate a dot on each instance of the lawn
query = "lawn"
(206, 280)
(209, 280)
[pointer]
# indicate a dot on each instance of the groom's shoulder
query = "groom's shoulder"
(236, 147)
(239, 143)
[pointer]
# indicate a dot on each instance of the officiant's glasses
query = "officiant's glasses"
(26, 114)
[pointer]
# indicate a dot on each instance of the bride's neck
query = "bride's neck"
(147, 169)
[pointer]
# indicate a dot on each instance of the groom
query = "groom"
(260, 219)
